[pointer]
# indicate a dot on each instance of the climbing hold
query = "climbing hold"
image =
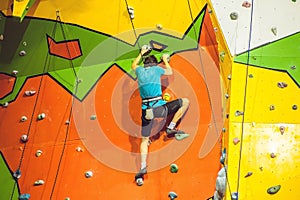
(210, 11)
(93, 117)
(131, 12)
(1, 37)
(78, 80)
(238, 113)
(38, 153)
(30, 92)
(24, 138)
(88, 174)
(215, 29)
(181, 136)
(67, 122)
(274, 189)
(17, 174)
(272, 155)
(251, 76)
(261, 168)
(173, 168)
(159, 26)
(227, 96)
(272, 107)
(67, 198)
(172, 195)
(293, 67)
(22, 53)
(274, 30)
(282, 129)
(246, 4)
(166, 96)
(14, 72)
(147, 49)
(294, 0)
(236, 140)
(222, 55)
(281, 84)
(294, 107)
(79, 149)
(234, 15)
(223, 156)
(39, 182)
(41, 116)
(234, 196)
(248, 174)
(24, 44)
(223, 130)
(23, 119)
(24, 197)
(229, 77)
(5, 104)
(139, 181)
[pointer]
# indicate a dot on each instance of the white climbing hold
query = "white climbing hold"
(79, 149)
(88, 174)
(22, 53)
(24, 138)
(39, 182)
(23, 118)
(1, 37)
(30, 92)
(238, 113)
(41, 116)
(131, 12)
(15, 72)
(38, 153)
(24, 43)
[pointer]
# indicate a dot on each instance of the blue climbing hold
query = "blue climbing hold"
(24, 196)
(172, 195)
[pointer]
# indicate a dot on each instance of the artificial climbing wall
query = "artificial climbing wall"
(263, 136)
(70, 114)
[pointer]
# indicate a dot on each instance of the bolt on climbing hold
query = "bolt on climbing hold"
(210, 11)
(159, 26)
(274, 189)
(248, 174)
(215, 29)
(294, 0)
(222, 56)
(67, 122)
(93, 117)
(229, 77)
(24, 138)
(23, 119)
(173, 168)
(238, 113)
(24, 197)
(223, 130)
(282, 84)
(79, 149)
(272, 107)
(1, 37)
(172, 195)
(234, 15)
(246, 4)
(272, 155)
(226, 96)
(41, 116)
(250, 76)
(274, 30)
(67, 198)
(39, 182)
(147, 49)
(88, 174)
(236, 140)
(22, 53)
(282, 129)
(223, 156)
(24, 44)
(293, 67)
(38, 153)
(30, 92)
(131, 12)
(5, 104)
(17, 174)
(234, 196)
(14, 72)
(294, 107)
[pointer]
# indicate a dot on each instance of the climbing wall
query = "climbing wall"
(70, 107)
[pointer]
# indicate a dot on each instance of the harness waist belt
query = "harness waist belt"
(151, 99)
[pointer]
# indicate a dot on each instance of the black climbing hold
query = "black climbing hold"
(294, 107)
(274, 189)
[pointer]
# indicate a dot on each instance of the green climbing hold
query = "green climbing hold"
(181, 136)
(274, 189)
(173, 168)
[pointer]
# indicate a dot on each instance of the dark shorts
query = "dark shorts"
(159, 112)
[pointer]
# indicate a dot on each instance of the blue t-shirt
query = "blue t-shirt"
(149, 83)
